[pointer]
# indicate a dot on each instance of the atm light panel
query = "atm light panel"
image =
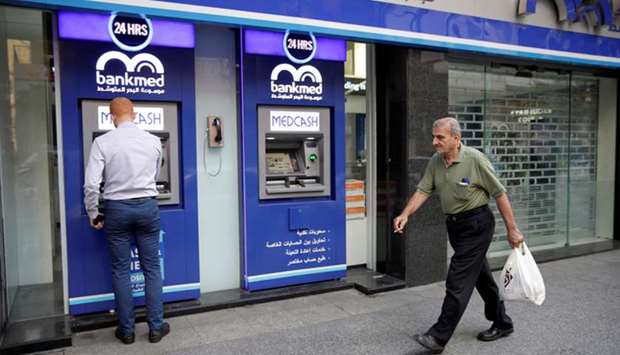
(94, 27)
(270, 43)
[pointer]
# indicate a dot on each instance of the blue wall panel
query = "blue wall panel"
(272, 221)
(88, 259)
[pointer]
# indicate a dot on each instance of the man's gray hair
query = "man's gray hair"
(455, 128)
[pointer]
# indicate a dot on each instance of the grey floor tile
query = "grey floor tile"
(313, 315)
(234, 329)
(213, 318)
(579, 316)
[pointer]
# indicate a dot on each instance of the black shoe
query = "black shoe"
(156, 335)
(125, 339)
(428, 341)
(494, 333)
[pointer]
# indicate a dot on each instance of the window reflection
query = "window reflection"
(542, 131)
(31, 228)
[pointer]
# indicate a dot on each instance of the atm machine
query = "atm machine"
(157, 118)
(158, 77)
(293, 173)
(294, 163)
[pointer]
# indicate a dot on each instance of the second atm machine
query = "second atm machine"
(294, 152)
(292, 158)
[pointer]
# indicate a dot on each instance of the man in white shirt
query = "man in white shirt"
(127, 159)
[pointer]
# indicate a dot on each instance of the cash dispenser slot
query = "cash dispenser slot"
(163, 181)
(293, 164)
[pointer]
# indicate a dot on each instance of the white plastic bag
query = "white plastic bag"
(520, 279)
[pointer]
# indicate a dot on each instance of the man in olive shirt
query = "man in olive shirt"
(465, 180)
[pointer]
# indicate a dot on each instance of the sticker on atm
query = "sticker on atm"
(294, 121)
(147, 118)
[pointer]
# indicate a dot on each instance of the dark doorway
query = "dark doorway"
(391, 157)
(412, 92)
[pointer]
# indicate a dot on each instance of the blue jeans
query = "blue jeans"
(126, 220)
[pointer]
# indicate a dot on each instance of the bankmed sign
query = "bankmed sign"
(298, 79)
(303, 83)
(127, 70)
(143, 73)
(595, 13)
(307, 81)
(293, 121)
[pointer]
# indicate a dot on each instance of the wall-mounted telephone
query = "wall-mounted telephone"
(214, 126)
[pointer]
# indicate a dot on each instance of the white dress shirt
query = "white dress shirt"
(128, 159)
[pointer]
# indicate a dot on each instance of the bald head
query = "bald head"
(121, 109)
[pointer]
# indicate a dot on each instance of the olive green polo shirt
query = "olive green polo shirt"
(466, 184)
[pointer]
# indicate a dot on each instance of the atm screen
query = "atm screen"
(282, 162)
(158, 118)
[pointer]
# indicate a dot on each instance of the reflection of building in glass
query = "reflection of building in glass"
(541, 134)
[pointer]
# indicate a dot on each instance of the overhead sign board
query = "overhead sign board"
(595, 13)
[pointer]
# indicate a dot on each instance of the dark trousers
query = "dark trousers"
(470, 234)
(126, 221)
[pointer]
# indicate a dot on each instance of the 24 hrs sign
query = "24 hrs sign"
(130, 33)
(299, 47)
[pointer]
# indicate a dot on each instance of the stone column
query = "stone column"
(427, 100)
(412, 92)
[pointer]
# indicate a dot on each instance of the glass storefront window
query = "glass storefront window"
(541, 129)
(592, 158)
(526, 136)
(28, 166)
(582, 157)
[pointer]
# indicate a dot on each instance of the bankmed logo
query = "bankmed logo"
(306, 84)
(143, 73)
(595, 13)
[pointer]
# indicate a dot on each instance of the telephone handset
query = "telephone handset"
(218, 127)
(215, 132)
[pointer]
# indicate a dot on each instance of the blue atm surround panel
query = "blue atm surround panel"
(291, 240)
(100, 71)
